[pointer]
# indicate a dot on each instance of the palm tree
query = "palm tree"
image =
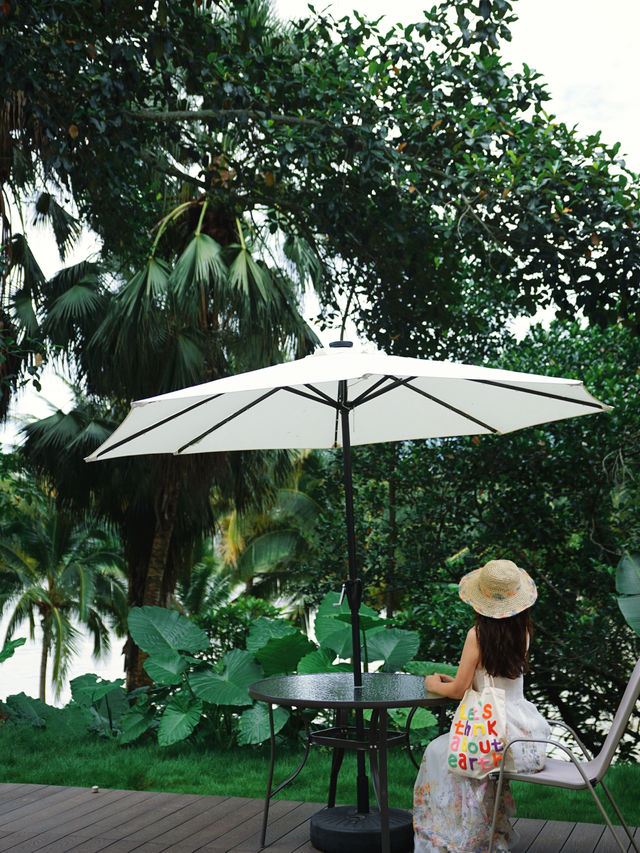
(217, 294)
(266, 546)
(57, 572)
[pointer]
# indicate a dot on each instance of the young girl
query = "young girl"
(451, 812)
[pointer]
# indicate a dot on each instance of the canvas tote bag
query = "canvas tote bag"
(478, 733)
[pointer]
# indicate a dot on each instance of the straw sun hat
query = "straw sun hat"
(499, 589)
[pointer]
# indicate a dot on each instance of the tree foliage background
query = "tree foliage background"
(417, 183)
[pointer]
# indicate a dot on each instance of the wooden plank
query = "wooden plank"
(583, 837)
(141, 822)
(298, 837)
(16, 810)
(240, 827)
(58, 823)
(55, 819)
(607, 843)
(173, 838)
(172, 825)
(206, 815)
(54, 805)
(552, 836)
(295, 823)
(228, 822)
(9, 791)
(82, 824)
(528, 830)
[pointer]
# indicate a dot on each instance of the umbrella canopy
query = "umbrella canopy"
(340, 396)
(388, 398)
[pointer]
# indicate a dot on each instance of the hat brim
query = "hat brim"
(498, 608)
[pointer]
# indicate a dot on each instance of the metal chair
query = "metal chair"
(578, 774)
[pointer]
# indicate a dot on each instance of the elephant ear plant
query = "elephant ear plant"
(628, 589)
(188, 691)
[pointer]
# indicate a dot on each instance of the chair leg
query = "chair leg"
(608, 821)
(620, 818)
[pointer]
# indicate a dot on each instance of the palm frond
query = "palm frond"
(66, 228)
(73, 305)
(298, 506)
(267, 553)
(248, 277)
(200, 266)
(307, 264)
(147, 285)
(30, 275)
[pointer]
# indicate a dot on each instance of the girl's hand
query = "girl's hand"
(445, 678)
(432, 683)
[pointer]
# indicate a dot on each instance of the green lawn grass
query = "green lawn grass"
(66, 754)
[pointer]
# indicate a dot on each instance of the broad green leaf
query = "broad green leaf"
(628, 588)
(156, 629)
(179, 718)
(229, 687)
(394, 646)
(367, 623)
(88, 689)
(166, 667)
(333, 631)
(428, 667)
(319, 660)
(281, 654)
(254, 723)
(263, 629)
(10, 646)
(24, 709)
(628, 575)
(108, 711)
(135, 722)
(421, 720)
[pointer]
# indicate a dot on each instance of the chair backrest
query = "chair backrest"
(601, 762)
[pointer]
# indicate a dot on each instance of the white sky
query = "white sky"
(587, 52)
(586, 49)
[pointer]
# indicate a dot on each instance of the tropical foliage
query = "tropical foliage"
(187, 692)
(549, 497)
(60, 574)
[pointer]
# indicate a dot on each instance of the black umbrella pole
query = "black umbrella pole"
(354, 597)
(354, 584)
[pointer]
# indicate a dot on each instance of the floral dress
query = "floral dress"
(453, 813)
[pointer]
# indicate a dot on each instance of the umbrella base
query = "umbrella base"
(342, 829)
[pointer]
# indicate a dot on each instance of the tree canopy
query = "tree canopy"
(412, 170)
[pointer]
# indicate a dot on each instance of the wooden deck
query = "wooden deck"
(57, 819)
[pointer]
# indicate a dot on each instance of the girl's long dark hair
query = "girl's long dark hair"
(504, 643)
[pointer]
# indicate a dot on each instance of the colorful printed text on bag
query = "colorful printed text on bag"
(474, 738)
(478, 733)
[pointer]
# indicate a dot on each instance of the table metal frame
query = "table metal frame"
(342, 737)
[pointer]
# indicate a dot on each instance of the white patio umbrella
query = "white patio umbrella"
(340, 396)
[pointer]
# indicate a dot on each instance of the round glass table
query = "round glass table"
(348, 827)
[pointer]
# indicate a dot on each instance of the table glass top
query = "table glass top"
(335, 690)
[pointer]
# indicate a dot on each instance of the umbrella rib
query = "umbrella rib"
(590, 405)
(226, 420)
(451, 408)
(156, 425)
(321, 398)
(372, 393)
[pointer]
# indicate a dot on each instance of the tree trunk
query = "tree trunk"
(43, 666)
(149, 592)
(165, 522)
